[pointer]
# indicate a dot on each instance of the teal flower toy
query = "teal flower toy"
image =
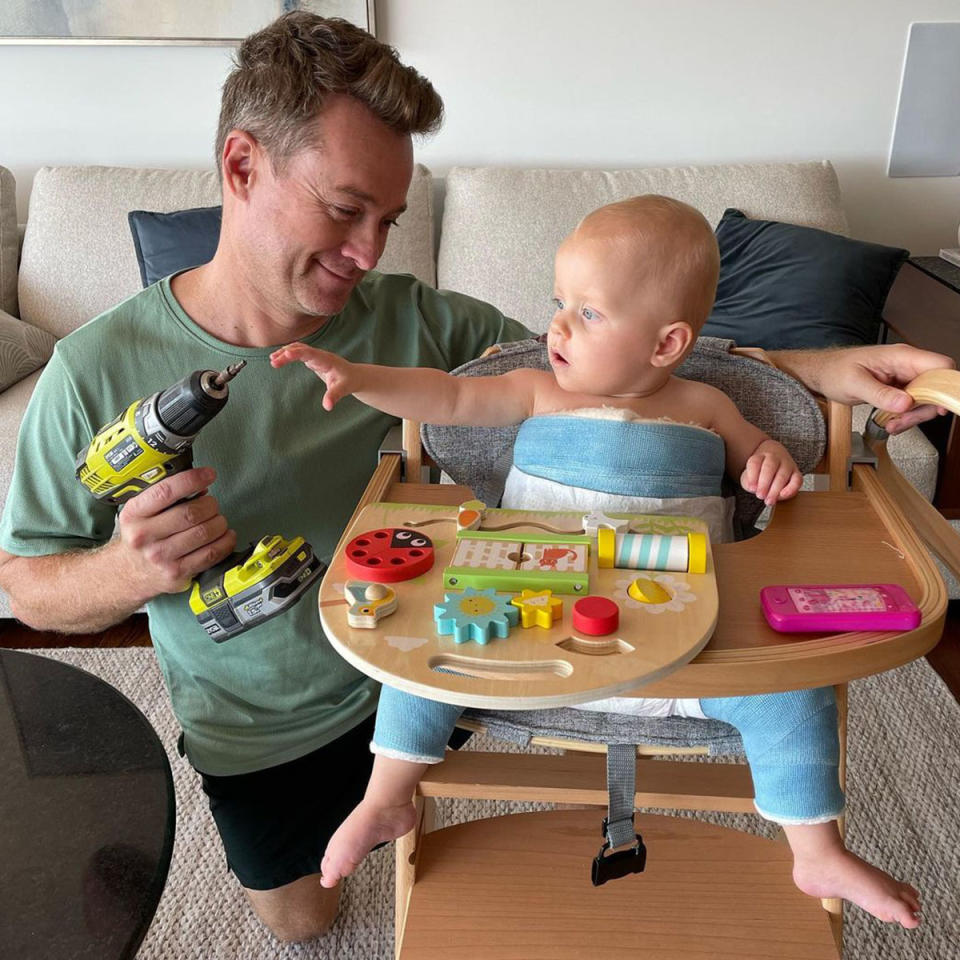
(475, 615)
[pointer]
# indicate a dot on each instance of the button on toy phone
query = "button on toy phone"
(838, 607)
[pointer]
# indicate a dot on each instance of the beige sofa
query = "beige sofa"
(497, 236)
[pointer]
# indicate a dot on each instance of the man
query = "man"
(314, 150)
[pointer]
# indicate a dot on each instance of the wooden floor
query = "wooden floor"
(944, 658)
(131, 633)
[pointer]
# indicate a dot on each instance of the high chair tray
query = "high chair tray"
(533, 666)
(854, 536)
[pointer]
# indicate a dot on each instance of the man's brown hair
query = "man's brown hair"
(283, 73)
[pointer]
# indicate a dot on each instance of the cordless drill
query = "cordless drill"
(152, 440)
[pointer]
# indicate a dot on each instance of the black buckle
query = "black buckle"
(612, 866)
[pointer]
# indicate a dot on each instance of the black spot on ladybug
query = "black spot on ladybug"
(407, 538)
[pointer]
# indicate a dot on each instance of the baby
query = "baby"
(634, 283)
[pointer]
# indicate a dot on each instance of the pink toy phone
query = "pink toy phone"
(838, 607)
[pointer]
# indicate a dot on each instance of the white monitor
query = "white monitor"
(926, 133)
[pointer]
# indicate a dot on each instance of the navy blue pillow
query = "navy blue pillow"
(169, 242)
(783, 286)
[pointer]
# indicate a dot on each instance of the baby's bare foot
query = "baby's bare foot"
(840, 873)
(368, 825)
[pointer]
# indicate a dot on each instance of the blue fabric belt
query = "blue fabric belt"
(641, 459)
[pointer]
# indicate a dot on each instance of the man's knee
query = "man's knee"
(298, 911)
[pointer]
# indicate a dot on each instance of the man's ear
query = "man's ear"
(241, 155)
(674, 341)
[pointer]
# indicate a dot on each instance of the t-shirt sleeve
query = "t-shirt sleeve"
(47, 509)
(463, 327)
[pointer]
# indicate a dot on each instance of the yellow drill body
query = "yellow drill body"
(153, 438)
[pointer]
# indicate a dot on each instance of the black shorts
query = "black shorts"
(275, 823)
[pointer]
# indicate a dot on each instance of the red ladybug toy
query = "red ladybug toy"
(389, 555)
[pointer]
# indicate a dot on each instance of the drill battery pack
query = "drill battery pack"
(250, 587)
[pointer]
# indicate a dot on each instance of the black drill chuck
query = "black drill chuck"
(191, 403)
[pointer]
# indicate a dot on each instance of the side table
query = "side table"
(923, 309)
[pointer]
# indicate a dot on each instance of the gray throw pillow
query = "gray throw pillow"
(23, 349)
(167, 243)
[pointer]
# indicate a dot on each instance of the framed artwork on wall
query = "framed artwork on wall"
(212, 22)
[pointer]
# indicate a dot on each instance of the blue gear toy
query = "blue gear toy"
(475, 615)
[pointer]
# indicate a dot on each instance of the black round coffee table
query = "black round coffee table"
(86, 814)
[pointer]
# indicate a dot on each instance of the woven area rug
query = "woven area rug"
(904, 805)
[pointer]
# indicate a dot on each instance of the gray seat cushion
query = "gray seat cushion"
(520, 726)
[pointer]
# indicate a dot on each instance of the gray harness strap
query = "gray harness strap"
(621, 787)
(618, 826)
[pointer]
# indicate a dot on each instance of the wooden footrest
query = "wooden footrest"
(518, 888)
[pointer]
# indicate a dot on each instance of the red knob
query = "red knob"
(596, 616)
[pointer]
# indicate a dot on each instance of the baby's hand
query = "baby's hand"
(334, 371)
(771, 474)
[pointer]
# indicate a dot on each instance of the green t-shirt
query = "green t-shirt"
(283, 464)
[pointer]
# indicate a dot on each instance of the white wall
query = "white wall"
(550, 82)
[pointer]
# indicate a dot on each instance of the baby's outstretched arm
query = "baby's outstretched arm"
(421, 393)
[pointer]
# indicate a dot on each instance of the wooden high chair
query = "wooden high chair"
(518, 886)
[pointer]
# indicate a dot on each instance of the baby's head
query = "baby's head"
(635, 282)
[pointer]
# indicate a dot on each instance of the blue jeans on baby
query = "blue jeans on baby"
(790, 740)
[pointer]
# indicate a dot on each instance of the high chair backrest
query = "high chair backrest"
(480, 457)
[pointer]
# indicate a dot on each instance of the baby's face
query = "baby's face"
(605, 326)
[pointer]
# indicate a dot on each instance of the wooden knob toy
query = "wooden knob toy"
(470, 514)
(368, 603)
(592, 522)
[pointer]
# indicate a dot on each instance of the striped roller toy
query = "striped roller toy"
(651, 551)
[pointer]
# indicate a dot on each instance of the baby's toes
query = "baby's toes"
(911, 898)
(329, 876)
(904, 913)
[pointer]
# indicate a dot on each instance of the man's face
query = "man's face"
(314, 230)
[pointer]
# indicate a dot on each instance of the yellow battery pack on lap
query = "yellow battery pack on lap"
(250, 587)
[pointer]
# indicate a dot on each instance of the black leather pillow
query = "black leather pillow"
(169, 242)
(784, 286)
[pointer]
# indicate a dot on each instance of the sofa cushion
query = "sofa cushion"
(78, 258)
(23, 349)
(502, 226)
(9, 242)
(784, 286)
(166, 243)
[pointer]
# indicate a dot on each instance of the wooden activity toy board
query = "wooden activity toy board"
(531, 609)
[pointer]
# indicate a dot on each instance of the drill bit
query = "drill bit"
(224, 376)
